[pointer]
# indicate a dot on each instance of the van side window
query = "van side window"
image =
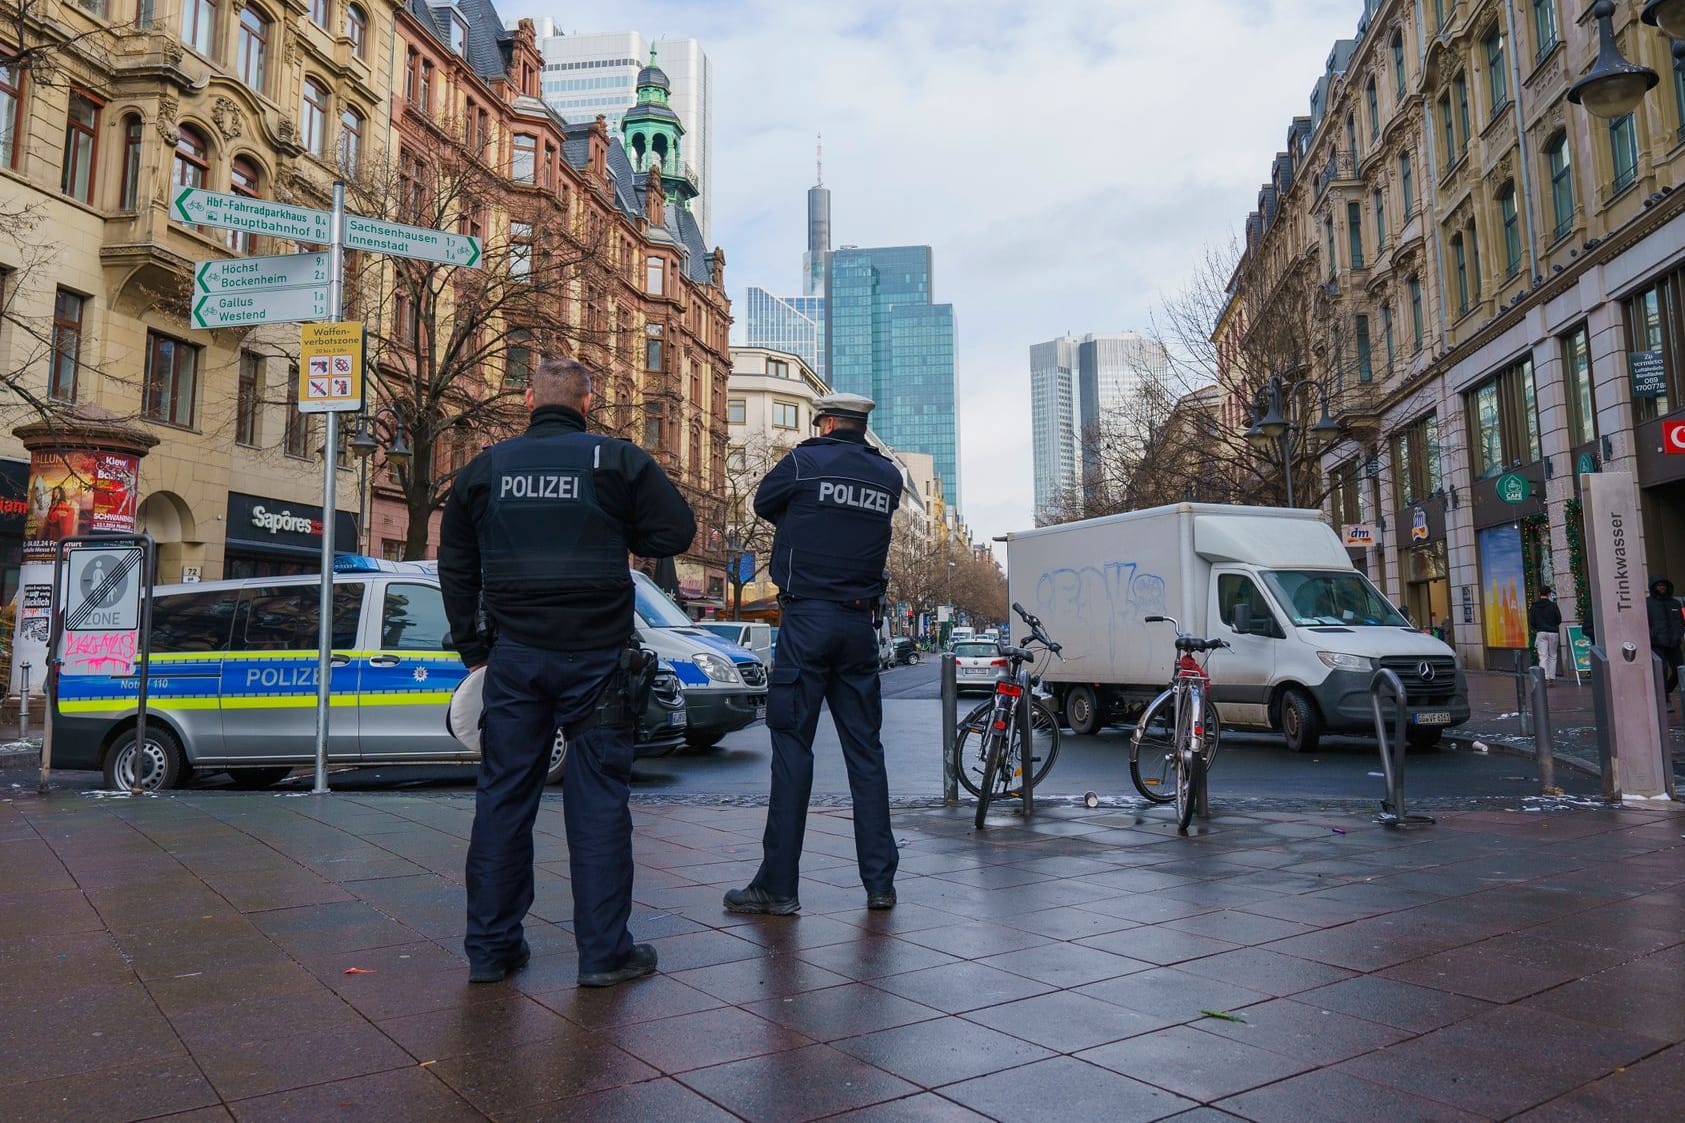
(413, 619)
(284, 618)
(1237, 588)
(185, 622)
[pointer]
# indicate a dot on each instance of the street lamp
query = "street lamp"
(1272, 427)
(363, 446)
(1614, 86)
(1667, 15)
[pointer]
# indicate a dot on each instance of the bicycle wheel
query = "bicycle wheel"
(971, 746)
(992, 752)
(1044, 750)
(1187, 760)
(1189, 800)
(1152, 764)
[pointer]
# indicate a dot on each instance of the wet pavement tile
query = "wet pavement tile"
(958, 987)
(1304, 1032)
(785, 934)
(1502, 1061)
(1070, 923)
(1360, 946)
(240, 1068)
(126, 1091)
(1159, 944)
(1068, 1022)
(702, 1039)
(76, 1031)
(658, 996)
(1066, 1090)
(482, 1027)
(927, 1107)
(931, 1054)
(872, 957)
(1171, 993)
(800, 1085)
(135, 906)
(1236, 927)
(1654, 1088)
(841, 1011)
(62, 910)
(390, 982)
(1327, 1096)
(409, 1095)
(328, 928)
(1403, 1006)
(974, 940)
(750, 980)
(1639, 997)
(631, 1103)
(1066, 965)
(1505, 968)
(1193, 1063)
(502, 1083)
(425, 903)
(704, 949)
(1267, 971)
(1144, 908)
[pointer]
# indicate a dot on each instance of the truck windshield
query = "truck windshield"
(655, 608)
(1347, 600)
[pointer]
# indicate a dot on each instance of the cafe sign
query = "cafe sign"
(1514, 488)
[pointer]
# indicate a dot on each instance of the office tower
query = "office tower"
(597, 73)
(787, 323)
(884, 338)
(1076, 384)
(818, 233)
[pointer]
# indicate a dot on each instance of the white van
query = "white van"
(1307, 631)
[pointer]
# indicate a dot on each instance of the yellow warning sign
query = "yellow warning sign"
(330, 368)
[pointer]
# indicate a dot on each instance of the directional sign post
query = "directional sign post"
(262, 274)
(199, 207)
(411, 241)
(279, 306)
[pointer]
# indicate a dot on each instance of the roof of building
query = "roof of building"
(488, 44)
(653, 75)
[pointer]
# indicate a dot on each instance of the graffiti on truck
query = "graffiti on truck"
(1102, 605)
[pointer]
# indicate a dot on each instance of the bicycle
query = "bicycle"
(988, 750)
(1177, 744)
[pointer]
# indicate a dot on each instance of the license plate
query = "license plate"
(676, 718)
(974, 672)
(1431, 717)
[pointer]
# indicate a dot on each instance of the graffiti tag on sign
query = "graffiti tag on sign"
(99, 653)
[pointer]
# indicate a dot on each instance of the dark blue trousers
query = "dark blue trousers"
(826, 653)
(529, 694)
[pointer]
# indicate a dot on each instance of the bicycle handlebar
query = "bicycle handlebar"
(1037, 632)
(1185, 642)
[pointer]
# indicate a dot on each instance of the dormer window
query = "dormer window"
(459, 35)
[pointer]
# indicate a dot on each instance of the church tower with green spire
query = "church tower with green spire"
(654, 135)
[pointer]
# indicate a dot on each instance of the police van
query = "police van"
(724, 684)
(233, 682)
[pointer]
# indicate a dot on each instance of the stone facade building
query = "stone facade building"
(1489, 279)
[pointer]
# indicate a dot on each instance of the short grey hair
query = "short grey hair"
(561, 381)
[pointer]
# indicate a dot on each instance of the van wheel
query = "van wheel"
(1082, 710)
(163, 765)
(558, 759)
(1300, 723)
(256, 779)
(1424, 740)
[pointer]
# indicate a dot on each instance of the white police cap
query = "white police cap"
(856, 407)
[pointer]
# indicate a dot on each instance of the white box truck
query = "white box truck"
(1308, 632)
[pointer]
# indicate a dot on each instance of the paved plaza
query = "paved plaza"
(283, 956)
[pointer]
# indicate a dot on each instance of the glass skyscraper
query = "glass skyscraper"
(886, 340)
(788, 323)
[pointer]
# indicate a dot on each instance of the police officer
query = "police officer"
(832, 499)
(537, 530)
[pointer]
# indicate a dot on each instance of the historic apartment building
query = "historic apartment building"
(1491, 283)
(102, 119)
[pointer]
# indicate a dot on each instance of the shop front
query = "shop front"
(278, 538)
(1423, 568)
(1512, 549)
(14, 511)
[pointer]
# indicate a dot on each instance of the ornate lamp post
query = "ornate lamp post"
(363, 446)
(1271, 426)
(1614, 86)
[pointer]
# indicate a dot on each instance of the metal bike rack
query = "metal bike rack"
(1392, 749)
(950, 730)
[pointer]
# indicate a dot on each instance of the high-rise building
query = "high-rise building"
(1075, 384)
(818, 234)
(795, 324)
(597, 73)
(884, 338)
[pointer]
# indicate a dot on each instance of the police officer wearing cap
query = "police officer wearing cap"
(537, 531)
(832, 499)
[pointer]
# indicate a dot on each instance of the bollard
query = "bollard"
(1521, 691)
(23, 705)
(1607, 753)
(1026, 743)
(1660, 672)
(950, 730)
(1542, 738)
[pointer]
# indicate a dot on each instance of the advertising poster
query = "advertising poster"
(1503, 587)
(77, 493)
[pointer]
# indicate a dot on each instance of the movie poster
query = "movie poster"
(1503, 587)
(73, 493)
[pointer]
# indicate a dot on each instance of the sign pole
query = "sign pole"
(330, 472)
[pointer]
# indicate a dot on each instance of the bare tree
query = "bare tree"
(747, 534)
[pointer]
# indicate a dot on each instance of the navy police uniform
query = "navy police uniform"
(536, 532)
(832, 499)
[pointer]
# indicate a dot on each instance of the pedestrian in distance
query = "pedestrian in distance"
(1545, 620)
(1667, 629)
(537, 529)
(832, 499)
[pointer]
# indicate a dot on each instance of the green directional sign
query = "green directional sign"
(411, 241)
(260, 274)
(259, 216)
(239, 310)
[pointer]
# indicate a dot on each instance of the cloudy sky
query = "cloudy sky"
(1067, 159)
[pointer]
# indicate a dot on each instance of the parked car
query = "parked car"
(905, 651)
(977, 664)
(724, 684)
(752, 634)
(233, 682)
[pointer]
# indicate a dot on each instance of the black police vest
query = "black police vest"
(543, 527)
(834, 537)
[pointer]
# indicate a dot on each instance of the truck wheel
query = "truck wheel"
(1424, 740)
(1082, 710)
(163, 764)
(1300, 723)
(558, 759)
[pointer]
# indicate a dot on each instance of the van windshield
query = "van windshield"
(1324, 599)
(655, 608)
